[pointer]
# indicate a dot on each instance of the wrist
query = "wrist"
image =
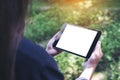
(90, 65)
(87, 73)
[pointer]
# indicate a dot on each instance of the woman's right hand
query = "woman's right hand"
(91, 63)
(95, 57)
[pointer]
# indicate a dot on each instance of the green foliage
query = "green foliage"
(45, 21)
(111, 49)
(70, 65)
(45, 24)
(41, 27)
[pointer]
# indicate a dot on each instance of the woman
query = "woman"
(31, 62)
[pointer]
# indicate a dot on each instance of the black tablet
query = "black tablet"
(77, 40)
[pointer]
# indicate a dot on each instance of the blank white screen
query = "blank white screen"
(76, 39)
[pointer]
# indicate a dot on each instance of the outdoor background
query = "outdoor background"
(45, 17)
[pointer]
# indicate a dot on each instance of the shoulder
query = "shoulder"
(33, 60)
(30, 52)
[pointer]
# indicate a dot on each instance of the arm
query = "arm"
(34, 63)
(87, 73)
(91, 64)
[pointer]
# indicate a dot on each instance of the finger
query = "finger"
(97, 48)
(57, 35)
(96, 52)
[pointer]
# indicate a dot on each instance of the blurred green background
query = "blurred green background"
(45, 17)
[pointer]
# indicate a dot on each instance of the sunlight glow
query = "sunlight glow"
(85, 4)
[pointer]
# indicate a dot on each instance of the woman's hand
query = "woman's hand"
(50, 49)
(95, 57)
(91, 63)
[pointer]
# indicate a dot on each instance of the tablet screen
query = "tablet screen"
(76, 39)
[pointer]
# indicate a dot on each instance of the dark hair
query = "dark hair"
(12, 14)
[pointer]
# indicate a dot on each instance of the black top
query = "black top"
(34, 63)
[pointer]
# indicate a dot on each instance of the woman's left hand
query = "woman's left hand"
(50, 49)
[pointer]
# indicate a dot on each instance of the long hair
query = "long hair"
(12, 14)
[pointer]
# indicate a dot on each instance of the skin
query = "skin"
(50, 48)
(89, 65)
